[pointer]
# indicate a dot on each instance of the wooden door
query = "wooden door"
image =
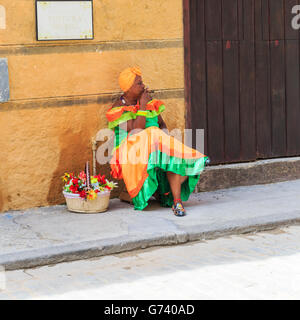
(242, 77)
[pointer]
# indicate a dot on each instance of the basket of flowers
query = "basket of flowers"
(85, 193)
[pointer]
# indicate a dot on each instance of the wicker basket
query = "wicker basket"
(76, 204)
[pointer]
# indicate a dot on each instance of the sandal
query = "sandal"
(156, 196)
(178, 209)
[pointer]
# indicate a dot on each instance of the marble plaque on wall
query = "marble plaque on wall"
(4, 81)
(64, 20)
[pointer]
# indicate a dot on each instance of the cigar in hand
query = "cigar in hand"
(150, 91)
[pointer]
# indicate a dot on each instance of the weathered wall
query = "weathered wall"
(60, 90)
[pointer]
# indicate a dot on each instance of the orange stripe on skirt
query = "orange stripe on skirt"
(130, 161)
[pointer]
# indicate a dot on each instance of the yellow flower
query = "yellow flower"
(93, 179)
(91, 195)
(66, 177)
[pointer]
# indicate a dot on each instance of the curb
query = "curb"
(94, 249)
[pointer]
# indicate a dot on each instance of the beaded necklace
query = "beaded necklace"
(124, 101)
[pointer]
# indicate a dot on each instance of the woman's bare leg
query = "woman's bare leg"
(175, 181)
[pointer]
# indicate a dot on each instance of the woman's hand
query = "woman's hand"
(145, 98)
(140, 121)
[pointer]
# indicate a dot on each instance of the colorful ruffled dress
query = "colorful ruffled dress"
(142, 159)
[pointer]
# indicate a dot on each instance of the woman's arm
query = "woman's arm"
(140, 121)
(161, 123)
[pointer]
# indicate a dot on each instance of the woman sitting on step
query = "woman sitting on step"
(149, 161)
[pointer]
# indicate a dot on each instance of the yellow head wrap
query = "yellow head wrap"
(127, 77)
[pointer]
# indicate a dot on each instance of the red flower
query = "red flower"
(101, 179)
(74, 189)
(107, 187)
(82, 194)
(75, 181)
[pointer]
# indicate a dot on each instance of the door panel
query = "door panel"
(244, 85)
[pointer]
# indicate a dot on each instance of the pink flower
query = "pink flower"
(82, 176)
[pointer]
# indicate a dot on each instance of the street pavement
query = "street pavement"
(263, 265)
(49, 235)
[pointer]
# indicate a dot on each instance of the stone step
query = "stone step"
(250, 173)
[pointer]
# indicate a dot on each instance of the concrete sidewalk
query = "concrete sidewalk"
(49, 235)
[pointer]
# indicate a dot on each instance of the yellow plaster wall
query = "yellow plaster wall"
(39, 146)
(39, 76)
(114, 20)
(40, 140)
